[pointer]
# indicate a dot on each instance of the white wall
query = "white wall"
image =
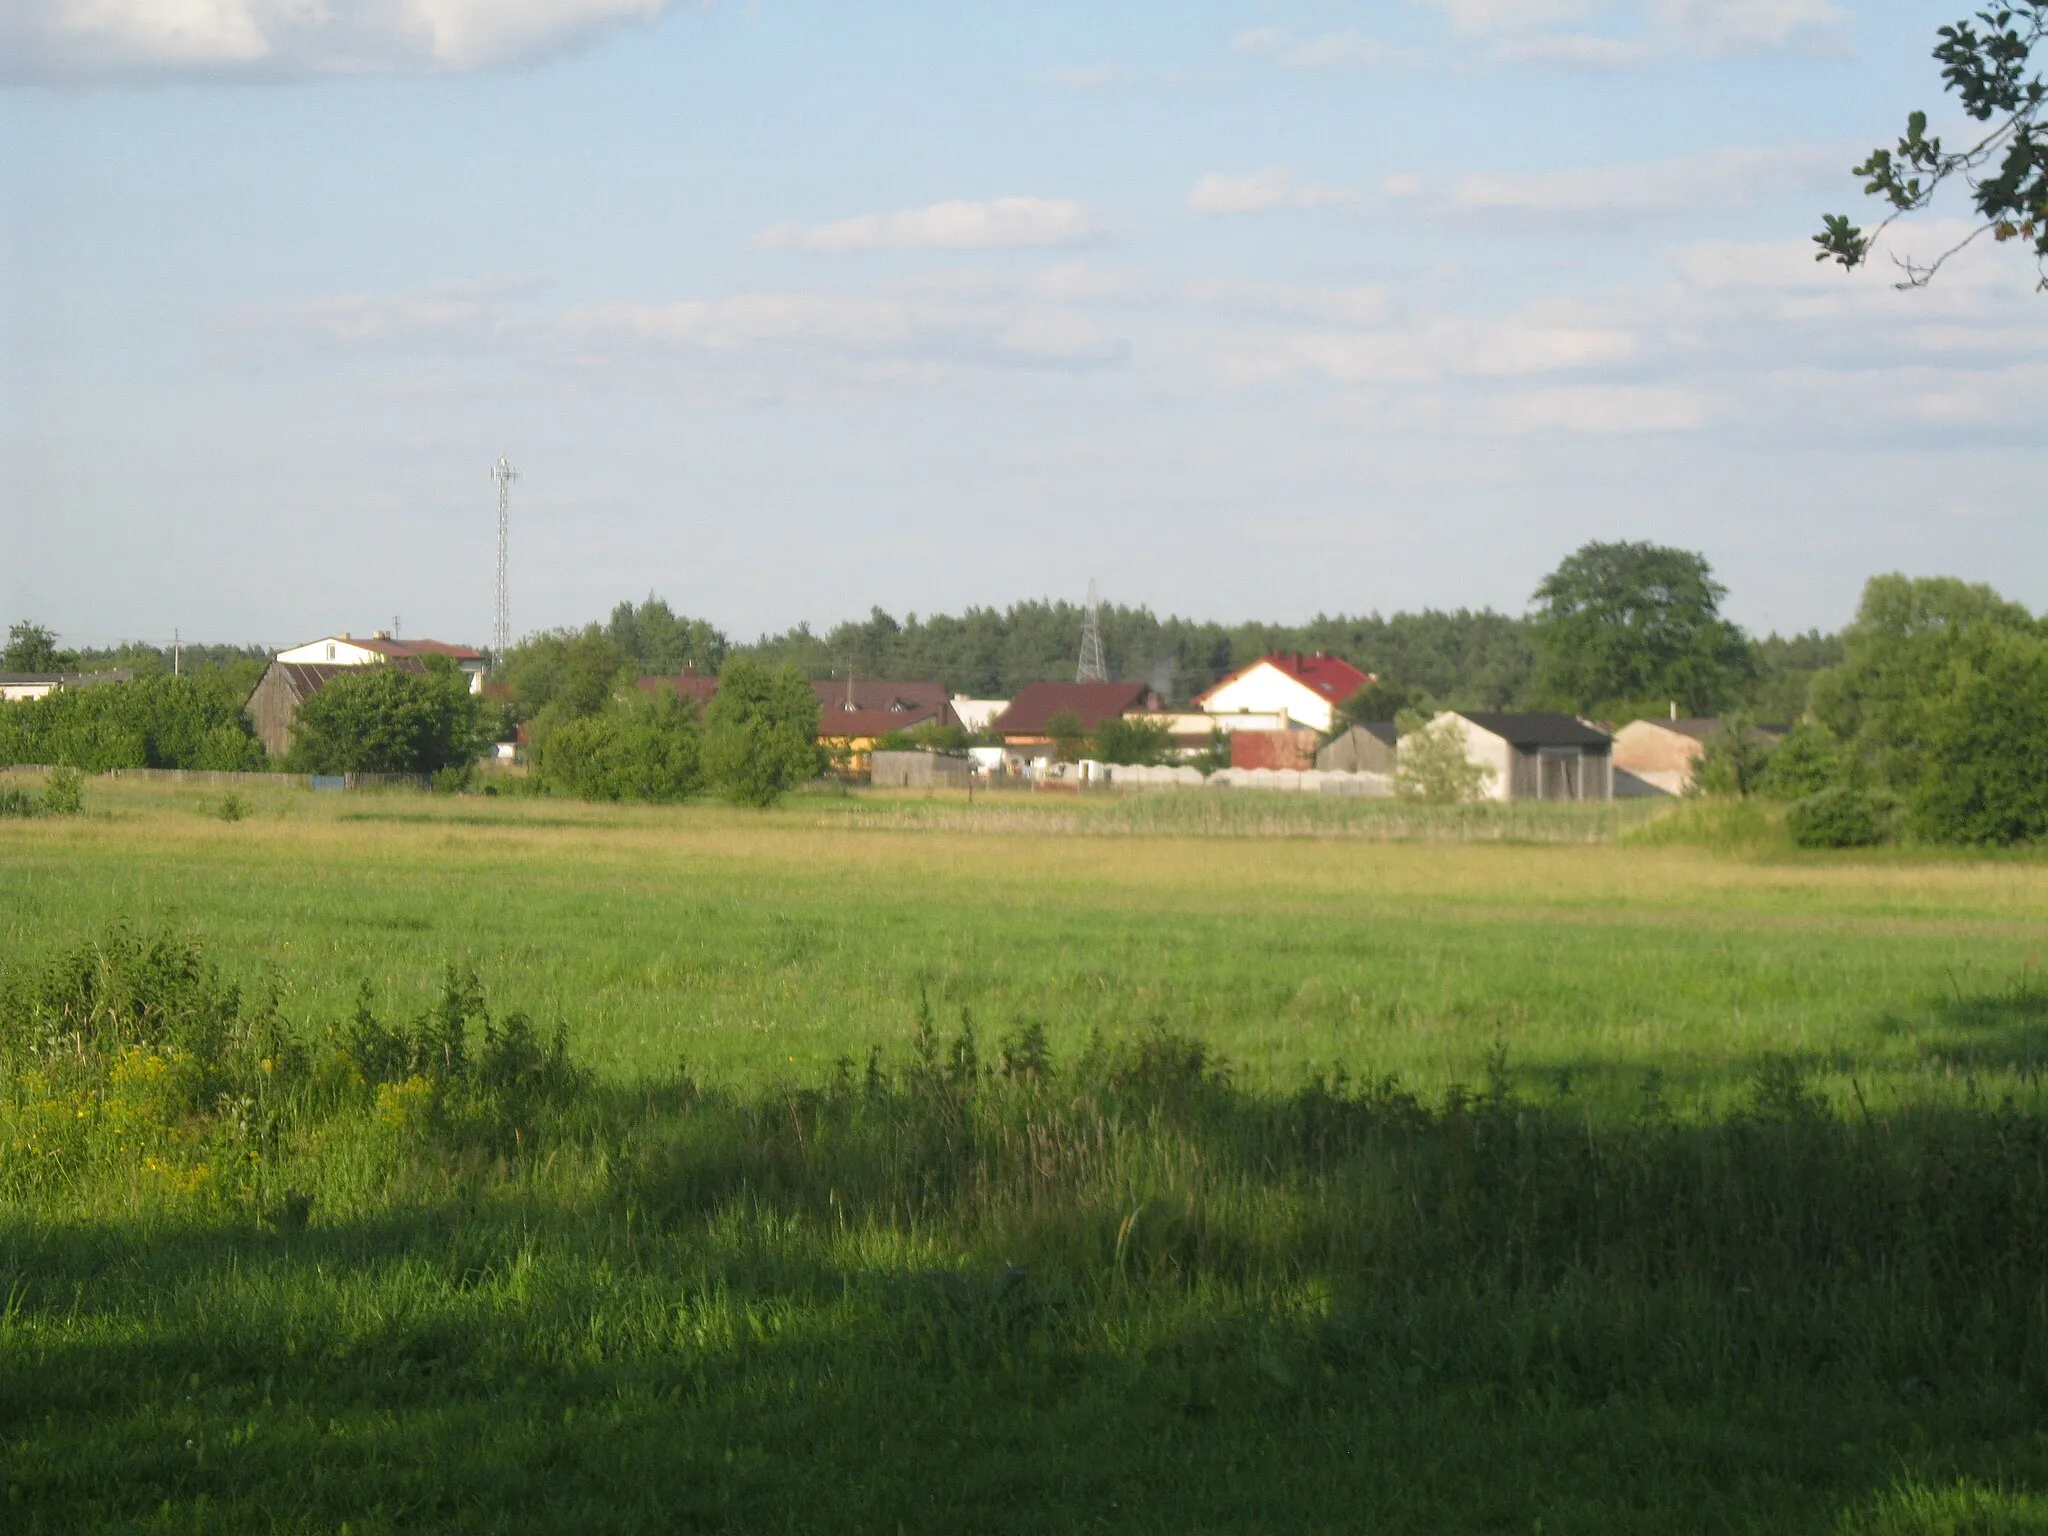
(1264, 688)
(1487, 750)
(331, 651)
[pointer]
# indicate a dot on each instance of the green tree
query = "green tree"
(1433, 766)
(641, 749)
(660, 642)
(1986, 64)
(1984, 778)
(1806, 762)
(152, 722)
(761, 733)
(926, 736)
(1378, 701)
(1629, 622)
(31, 647)
(566, 674)
(384, 720)
(1898, 658)
(1133, 740)
(1069, 736)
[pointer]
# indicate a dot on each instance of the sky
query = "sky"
(1240, 308)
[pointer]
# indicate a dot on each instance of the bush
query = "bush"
(638, 751)
(384, 720)
(1133, 741)
(1432, 765)
(16, 801)
(1806, 762)
(64, 792)
(761, 733)
(1836, 818)
(152, 722)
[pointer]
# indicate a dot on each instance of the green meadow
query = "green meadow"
(1179, 1162)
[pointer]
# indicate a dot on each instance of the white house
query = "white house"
(975, 714)
(1536, 757)
(19, 687)
(1297, 690)
(346, 650)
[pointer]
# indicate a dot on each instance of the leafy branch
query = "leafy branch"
(2006, 170)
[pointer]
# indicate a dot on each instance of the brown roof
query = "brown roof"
(879, 706)
(1035, 705)
(303, 679)
(394, 649)
(686, 685)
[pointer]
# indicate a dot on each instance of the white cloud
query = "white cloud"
(955, 226)
(1273, 187)
(1741, 26)
(1447, 347)
(1716, 179)
(1603, 409)
(1331, 51)
(1491, 18)
(1575, 50)
(777, 336)
(84, 40)
(1095, 78)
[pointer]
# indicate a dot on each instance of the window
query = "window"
(330, 650)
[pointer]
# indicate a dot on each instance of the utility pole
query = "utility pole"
(177, 654)
(501, 624)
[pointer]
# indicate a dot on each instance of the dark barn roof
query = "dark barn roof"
(1032, 710)
(1539, 730)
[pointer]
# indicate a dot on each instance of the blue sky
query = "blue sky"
(1243, 310)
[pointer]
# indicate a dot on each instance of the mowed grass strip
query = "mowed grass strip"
(757, 946)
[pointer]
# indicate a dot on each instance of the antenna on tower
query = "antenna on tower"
(501, 625)
(1093, 669)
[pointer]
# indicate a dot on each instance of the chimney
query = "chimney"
(380, 634)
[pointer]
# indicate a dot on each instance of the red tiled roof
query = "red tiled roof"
(687, 685)
(911, 701)
(397, 648)
(1036, 703)
(1330, 676)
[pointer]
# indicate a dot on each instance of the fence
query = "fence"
(1310, 781)
(209, 777)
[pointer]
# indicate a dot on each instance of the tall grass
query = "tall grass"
(437, 1276)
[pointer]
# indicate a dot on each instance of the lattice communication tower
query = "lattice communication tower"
(501, 624)
(1093, 669)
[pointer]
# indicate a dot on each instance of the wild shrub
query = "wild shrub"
(232, 807)
(16, 801)
(64, 792)
(639, 749)
(1836, 818)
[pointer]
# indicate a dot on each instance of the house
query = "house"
(1536, 757)
(920, 770)
(690, 685)
(1664, 754)
(1028, 721)
(345, 650)
(286, 685)
(17, 687)
(1305, 689)
(1368, 747)
(855, 714)
(976, 714)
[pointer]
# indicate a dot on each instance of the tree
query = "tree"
(384, 720)
(661, 642)
(1985, 774)
(1433, 766)
(1133, 740)
(31, 647)
(761, 733)
(152, 722)
(1069, 735)
(1378, 701)
(1898, 658)
(1631, 622)
(2006, 170)
(641, 749)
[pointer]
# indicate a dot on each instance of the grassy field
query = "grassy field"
(1712, 1193)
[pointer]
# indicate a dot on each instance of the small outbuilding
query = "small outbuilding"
(919, 770)
(1664, 755)
(1537, 756)
(1368, 747)
(286, 685)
